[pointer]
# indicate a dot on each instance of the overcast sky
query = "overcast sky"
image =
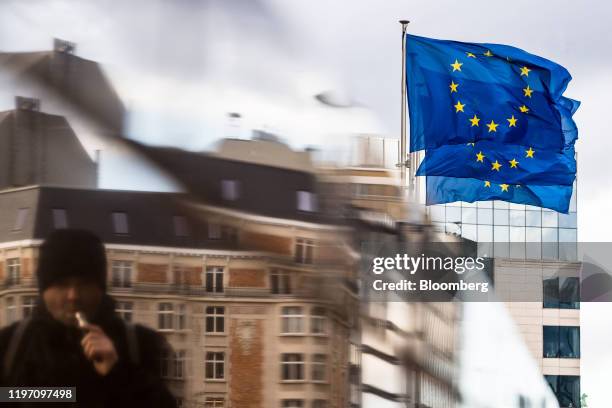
(180, 66)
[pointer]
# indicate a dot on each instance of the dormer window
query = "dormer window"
(230, 190)
(60, 220)
(306, 201)
(180, 226)
(120, 223)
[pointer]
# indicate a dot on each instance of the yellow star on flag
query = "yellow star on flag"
(529, 153)
(525, 71)
(512, 121)
(488, 53)
(469, 54)
(480, 157)
(496, 166)
(524, 109)
(513, 163)
(453, 86)
(492, 126)
(528, 91)
(504, 187)
(456, 66)
(459, 107)
(487, 183)
(475, 120)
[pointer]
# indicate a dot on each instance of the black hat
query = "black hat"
(71, 253)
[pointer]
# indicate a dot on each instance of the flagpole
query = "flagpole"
(402, 148)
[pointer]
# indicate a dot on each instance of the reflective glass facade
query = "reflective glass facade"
(566, 388)
(511, 230)
(561, 342)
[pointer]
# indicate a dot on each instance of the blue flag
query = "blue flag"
(460, 93)
(501, 163)
(442, 190)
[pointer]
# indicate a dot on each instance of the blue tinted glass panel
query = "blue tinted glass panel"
(569, 293)
(569, 342)
(551, 342)
(551, 293)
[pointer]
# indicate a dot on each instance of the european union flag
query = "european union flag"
(466, 92)
(442, 190)
(493, 121)
(501, 163)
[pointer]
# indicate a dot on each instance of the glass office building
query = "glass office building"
(509, 230)
(515, 231)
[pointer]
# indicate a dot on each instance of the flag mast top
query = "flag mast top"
(402, 158)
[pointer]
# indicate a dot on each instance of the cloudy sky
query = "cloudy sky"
(181, 66)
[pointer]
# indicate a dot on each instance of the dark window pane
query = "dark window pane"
(569, 293)
(274, 286)
(569, 342)
(209, 282)
(210, 324)
(551, 342)
(551, 293)
(219, 371)
(552, 382)
(220, 324)
(219, 283)
(568, 391)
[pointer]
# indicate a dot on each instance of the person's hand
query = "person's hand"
(99, 349)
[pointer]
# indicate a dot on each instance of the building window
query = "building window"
(292, 403)
(215, 366)
(214, 230)
(179, 402)
(125, 310)
(304, 250)
(173, 364)
(11, 310)
(319, 403)
(306, 201)
(165, 361)
(318, 321)
(319, 367)
(279, 283)
(180, 275)
(292, 320)
(566, 388)
(561, 342)
(214, 403)
(180, 226)
(292, 367)
(122, 274)
(562, 293)
(214, 279)
(165, 316)
(181, 317)
(179, 364)
(120, 223)
(230, 190)
(22, 215)
(28, 303)
(171, 317)
(215, 319)
(13, 271)
(60, 220)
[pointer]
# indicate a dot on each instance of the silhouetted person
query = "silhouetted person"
(111, 363)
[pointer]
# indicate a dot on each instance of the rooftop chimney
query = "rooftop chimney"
(27, 104)
(63, 46)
